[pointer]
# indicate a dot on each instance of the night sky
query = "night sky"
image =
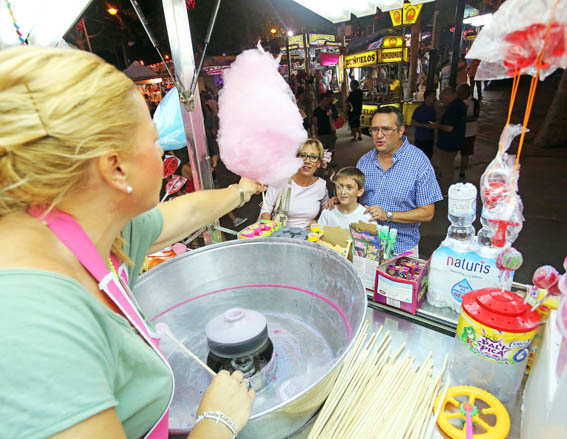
(239, 25)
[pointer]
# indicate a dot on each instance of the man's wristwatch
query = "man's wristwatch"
(389, 216)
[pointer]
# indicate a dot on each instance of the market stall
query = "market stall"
(311, 327)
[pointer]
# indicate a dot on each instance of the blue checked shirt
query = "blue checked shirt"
(408, 184)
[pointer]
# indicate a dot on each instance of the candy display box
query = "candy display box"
(407, 294)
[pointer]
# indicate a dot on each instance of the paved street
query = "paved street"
(543, 181)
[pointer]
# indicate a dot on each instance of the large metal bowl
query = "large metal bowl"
(294, 283)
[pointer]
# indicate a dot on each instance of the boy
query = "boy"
(349, 186)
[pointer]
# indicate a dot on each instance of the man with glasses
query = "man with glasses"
(401, 189)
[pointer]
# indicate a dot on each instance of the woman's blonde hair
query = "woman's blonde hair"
(317, 144)
(59, 109)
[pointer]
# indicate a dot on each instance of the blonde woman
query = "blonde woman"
(305, 192)
(80, 175)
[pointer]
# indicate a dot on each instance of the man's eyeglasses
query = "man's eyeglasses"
(387, 131)
(312, 157)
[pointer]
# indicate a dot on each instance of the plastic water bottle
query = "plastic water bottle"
(483, 236)
(462, 212)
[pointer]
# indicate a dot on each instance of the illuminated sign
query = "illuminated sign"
(341, 68)
(406, 16)
(367, 113)
(320, 39)
(392, 55)
(360, 59)
(392, 42)
(296, 41)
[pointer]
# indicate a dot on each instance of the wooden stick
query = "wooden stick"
(164, 329)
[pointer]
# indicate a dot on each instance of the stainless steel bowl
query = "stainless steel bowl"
(312, 298)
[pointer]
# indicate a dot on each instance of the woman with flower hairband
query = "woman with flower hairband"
(80, 175)
(303, 196)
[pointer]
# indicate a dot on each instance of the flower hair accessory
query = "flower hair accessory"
(327, 155)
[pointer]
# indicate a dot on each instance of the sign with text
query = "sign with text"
(392, 55)
(360, 59)
(296, 41)
(320, 39)
(341, 68)
(406, 16)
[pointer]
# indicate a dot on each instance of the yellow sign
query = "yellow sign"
(360, 59)
(296, 40)
(392, 41)
(392, 55)
(320, 39)
(396, 17)
(341, 69)
(367, 113)
(409, 15)
(411, 12)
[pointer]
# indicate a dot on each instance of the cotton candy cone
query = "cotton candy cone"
(260, 128)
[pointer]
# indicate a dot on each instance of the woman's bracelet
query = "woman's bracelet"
(218, 417)
(241, 193)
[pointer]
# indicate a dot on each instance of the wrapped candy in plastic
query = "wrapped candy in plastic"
(513, 40)
(499, 193)
(169, 122)
(260, 128)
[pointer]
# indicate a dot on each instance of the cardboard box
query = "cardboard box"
(407, 295)
(337, 239)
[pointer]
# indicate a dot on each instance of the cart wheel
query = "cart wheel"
(452, 409)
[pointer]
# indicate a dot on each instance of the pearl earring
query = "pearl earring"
(129, 189)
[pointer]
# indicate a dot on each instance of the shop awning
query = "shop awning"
(138, 73)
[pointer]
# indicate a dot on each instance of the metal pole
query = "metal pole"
(457, 37)
(86, 35)
(179, 34)
(434, 52)
(401, 68)
(414, 52)
(288, 60)
(306, 49)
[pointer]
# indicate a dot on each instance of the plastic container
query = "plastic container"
(484, 237)
(493, 340)
(462, 204)
(462, 212)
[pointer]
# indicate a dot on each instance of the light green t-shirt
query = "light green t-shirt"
(64, 356)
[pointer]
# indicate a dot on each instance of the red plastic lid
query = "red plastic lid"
(501, 310)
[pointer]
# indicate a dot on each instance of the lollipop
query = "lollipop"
(544, 277)
(507, 261)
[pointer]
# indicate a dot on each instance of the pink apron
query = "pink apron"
(73, 236)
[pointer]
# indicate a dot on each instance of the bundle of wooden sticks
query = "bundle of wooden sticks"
(380, 394)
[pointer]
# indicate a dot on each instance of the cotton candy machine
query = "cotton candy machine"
(284, 312)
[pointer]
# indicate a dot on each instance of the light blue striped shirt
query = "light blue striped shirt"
(408, 184)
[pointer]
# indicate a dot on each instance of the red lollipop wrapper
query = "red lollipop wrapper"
(170, 165)
(545, 277)
(176, 183)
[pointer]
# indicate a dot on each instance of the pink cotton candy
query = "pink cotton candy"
(261, 129)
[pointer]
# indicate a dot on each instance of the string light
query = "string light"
(20, 36)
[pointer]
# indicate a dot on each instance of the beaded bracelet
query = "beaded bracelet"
(218, 417)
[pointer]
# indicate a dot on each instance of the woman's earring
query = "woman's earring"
(129, 189)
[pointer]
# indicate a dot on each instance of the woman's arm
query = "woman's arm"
(186, 214)
(104, 424)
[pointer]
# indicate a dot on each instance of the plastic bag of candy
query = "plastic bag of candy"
(499, 192)
(513, 40)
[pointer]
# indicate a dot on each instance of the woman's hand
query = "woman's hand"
(229, 394)
(250, 187)
(330, 205)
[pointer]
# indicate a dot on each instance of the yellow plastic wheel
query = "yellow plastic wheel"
(451, 410)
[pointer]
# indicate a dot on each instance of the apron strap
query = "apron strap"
(70, 233)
